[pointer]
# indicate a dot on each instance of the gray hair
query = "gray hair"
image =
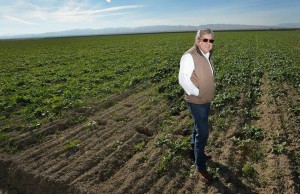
(202, 32)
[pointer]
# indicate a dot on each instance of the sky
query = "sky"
(40, 16)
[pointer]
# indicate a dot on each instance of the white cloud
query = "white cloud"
(108, 1)
(72, 11)
(19, 20)
(37, 17)
(78, 14)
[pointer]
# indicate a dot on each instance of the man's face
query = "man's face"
(205, 46)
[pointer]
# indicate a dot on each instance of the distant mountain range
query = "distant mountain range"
(151, 29)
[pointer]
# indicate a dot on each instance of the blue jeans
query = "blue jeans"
(200, 132)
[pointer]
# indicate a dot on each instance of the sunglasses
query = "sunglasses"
(208, 40)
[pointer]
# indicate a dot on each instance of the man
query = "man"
(196, 77)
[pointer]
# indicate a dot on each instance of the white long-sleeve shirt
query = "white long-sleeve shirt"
(185, 72)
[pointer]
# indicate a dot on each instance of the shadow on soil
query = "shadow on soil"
(233, 183)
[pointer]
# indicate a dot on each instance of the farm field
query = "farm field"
(105, 114)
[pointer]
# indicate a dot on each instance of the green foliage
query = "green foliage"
(174, 94)
(52, 76)
(252, 132)
(140, 146)
(248, 170)
(39, 138)
(247, 136)
(10, 148)
(176, 147)
(226, 98)
(278, 148)
(4, 136)
(173, 150)
(75, 120)
(165, 163)
(71, 146)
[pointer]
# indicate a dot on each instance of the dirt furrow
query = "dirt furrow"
(26, 140)
(48, 148)
(113, 142)
(189, 185)
(150, 177)
(86, 151)
(176, 180)
(135, 169)
(107, 167)
(99, 157)
(90, 154)
(103, 150)
(139, 181)
(276, 168)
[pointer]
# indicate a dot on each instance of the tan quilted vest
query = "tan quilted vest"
(202, 77)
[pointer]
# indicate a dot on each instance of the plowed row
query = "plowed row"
(106, 160)
(105, 149)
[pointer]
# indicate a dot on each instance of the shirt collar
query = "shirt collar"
(206, 55)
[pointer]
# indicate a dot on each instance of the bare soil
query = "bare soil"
(106, 158)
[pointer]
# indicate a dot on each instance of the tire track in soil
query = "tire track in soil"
(48, 163)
